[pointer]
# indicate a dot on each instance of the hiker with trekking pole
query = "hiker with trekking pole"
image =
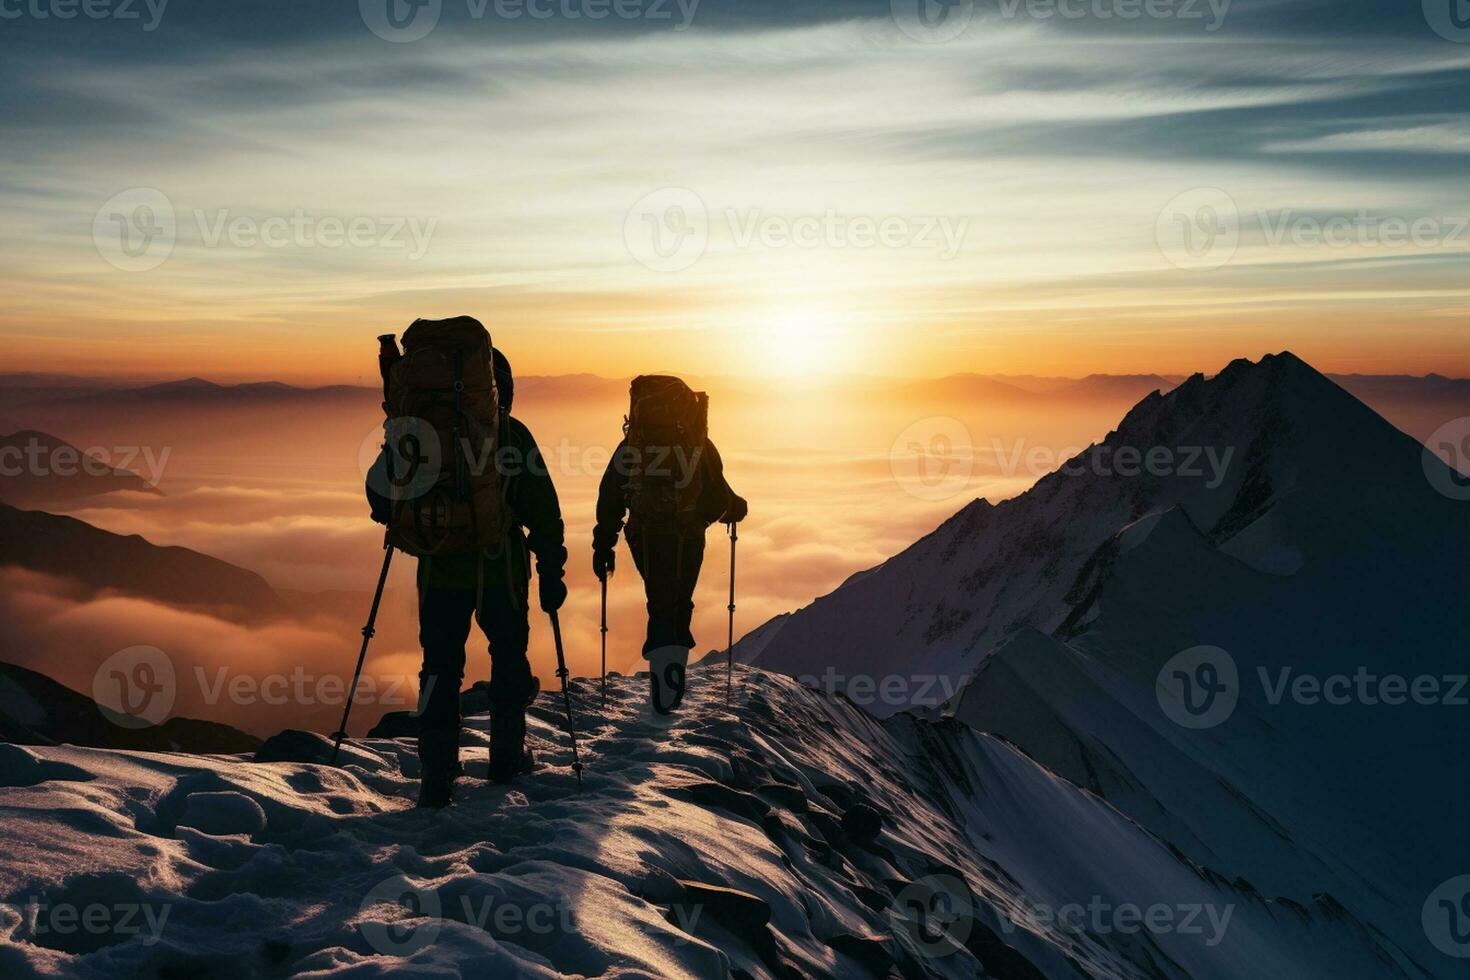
(462, 486)
(667, 479)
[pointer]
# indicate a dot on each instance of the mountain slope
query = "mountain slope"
(98, 559)
(790, 836)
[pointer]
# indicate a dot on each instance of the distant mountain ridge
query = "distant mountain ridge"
(101, 560)
(38, 469)
(18, 386)
(35, 710)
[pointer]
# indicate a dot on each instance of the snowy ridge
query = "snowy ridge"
(286, 868)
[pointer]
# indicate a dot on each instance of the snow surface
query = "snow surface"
(984, 863)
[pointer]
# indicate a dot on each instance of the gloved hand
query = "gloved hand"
(553, 592)
(737, 510)
(603, 562)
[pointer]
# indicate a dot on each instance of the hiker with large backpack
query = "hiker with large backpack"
(666, 478)
(462, 485)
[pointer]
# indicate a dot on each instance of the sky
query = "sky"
(1058, 187)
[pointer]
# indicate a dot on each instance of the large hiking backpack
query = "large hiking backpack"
(442, 439)
(666, 429)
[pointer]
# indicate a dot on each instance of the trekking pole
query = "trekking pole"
(604, 639)
(730, 643)
(564, 674)
(367, 635)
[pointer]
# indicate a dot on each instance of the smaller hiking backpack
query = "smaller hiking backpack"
(666, 429)
(442, 432)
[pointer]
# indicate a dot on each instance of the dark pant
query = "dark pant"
(444, 628)
(669, 563)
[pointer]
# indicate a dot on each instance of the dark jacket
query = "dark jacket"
(536, 522)
(715, 495)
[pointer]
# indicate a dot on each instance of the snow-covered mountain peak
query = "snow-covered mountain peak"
(1242, 535)
(1270, 460)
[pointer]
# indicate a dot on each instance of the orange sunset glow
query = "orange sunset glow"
(868, 242)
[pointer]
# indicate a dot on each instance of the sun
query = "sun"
(800, 343)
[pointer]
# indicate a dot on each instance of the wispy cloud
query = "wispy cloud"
(520, 153)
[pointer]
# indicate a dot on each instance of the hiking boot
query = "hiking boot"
(507, 744)
(666, 677)
(436, 790)
(439, 766)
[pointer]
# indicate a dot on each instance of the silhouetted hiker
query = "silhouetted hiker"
(666, 477)
(474, 531)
